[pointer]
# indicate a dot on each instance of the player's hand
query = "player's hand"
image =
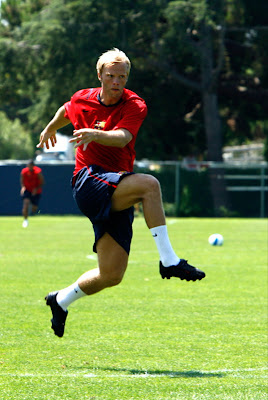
(47, 138)
(83, 136)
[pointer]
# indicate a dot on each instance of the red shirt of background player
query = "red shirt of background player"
(31, 179)
(85, 110)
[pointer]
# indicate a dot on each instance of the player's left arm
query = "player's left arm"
(22, 185)
(41, 180)
(116, 138)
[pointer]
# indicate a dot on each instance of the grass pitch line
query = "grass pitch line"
(91, 257)
(172, 221)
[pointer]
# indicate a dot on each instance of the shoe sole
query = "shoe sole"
(182, 279)
(185, 277)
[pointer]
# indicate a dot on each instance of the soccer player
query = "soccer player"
(106, 122)
(31, 181)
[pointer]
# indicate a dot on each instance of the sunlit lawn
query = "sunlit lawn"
(146, 339)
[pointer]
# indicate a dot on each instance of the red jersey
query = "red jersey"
(85, 110)
(31, 179)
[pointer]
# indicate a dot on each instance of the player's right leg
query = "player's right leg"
(112, 259)
(112, 264)
(113, 234)
(25, 211)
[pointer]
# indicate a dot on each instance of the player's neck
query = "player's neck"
(108, 100)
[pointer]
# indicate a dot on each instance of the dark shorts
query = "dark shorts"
(93, 188)
(34, 199)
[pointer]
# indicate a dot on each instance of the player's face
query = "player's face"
(113, 80)
(30, 166)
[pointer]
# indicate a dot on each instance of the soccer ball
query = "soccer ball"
(216, 239)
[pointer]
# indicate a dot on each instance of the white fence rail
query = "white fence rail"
(260, 179)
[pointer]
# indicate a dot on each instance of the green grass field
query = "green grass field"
(146, 339)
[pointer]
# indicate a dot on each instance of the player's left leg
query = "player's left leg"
(142, 188)
(146, 189)
(35, 203)
(34, 209)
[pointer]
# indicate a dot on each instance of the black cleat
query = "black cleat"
(59, 315)
(183, 270)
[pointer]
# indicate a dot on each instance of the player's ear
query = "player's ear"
(99, 76)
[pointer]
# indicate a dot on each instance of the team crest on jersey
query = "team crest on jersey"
(99, 124)
(122, 172)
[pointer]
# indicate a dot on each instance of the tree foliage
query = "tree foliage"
(182, 53)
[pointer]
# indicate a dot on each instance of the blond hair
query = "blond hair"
(112, 56)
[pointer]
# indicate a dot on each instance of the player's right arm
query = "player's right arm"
(49, 133)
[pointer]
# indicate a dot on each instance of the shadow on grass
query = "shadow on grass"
(171, 374)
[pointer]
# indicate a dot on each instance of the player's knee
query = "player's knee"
(114, 281)
(155, 183)
(25, 207)
(152, 184)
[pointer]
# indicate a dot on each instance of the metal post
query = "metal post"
(262, 193)
(177, 184)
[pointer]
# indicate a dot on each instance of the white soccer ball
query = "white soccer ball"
(216, 239)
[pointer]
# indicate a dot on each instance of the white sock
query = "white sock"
(68, 295)
(167, 255)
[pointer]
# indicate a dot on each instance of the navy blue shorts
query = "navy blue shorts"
(93, 188)
(34, 199)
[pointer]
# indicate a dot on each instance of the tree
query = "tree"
(15, 142)
(184, 56)
(196, 31)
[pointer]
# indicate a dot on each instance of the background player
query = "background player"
(31, 181)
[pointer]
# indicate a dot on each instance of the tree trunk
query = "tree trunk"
(214, 144)
(212, 124)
